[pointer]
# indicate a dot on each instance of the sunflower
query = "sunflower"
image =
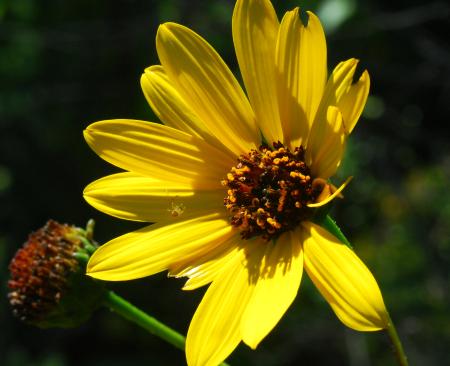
(232, 181)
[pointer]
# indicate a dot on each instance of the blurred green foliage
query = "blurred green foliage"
(66, 64)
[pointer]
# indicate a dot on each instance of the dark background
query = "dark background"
(65, 64)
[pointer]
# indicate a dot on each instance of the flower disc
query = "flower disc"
(268, 191)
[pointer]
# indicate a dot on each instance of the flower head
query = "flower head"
(48, 287)
(247, 172)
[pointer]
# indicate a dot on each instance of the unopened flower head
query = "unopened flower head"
(48, 287)
(249, 171)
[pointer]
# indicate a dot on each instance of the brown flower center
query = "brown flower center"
(268, 191)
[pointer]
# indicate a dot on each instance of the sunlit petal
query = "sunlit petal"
(255, 28)
(134, 197)
(158, 151)
(326, 145)
(277, 278)
(301, 64)
(207, 270)
(206, 83)
(168, 104)
(337, 85)
(215, 329)
(154, 248)
(344, 280)
(353, 101)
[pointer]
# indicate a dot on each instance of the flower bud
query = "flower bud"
(48, 286)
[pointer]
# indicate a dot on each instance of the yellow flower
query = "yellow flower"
(232, 181)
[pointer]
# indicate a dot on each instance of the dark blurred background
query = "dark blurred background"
(65, 64)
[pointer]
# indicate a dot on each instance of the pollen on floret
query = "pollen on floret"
(268, 191)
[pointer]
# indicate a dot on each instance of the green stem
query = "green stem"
(328, 223)
(396, 343)
(137, 316)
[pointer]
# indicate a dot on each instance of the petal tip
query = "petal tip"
(90, 272)
(162, 31)
(365, 77)
(87, 131)
(88, 134)
(87, 195)
(351, 63)
(143, 78)
(168, 27)
(163, 26)
(312, 16)
(249, 341)
(86, 191)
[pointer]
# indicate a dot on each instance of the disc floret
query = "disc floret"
(269, 190)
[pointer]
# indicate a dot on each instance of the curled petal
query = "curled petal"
(329, 193)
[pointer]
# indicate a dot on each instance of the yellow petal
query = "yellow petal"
(215, 328)
(332, 193)
(326, 140)
(255, 29)
(134, 197)
(209, 270)
(344, 280)
(167, 103)
(353, 101)
(159, 151)
(301, 64)
(154, 248)
(277, 279)
(208, 86)
(338, 84)
(190, 267)
(326, 145)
